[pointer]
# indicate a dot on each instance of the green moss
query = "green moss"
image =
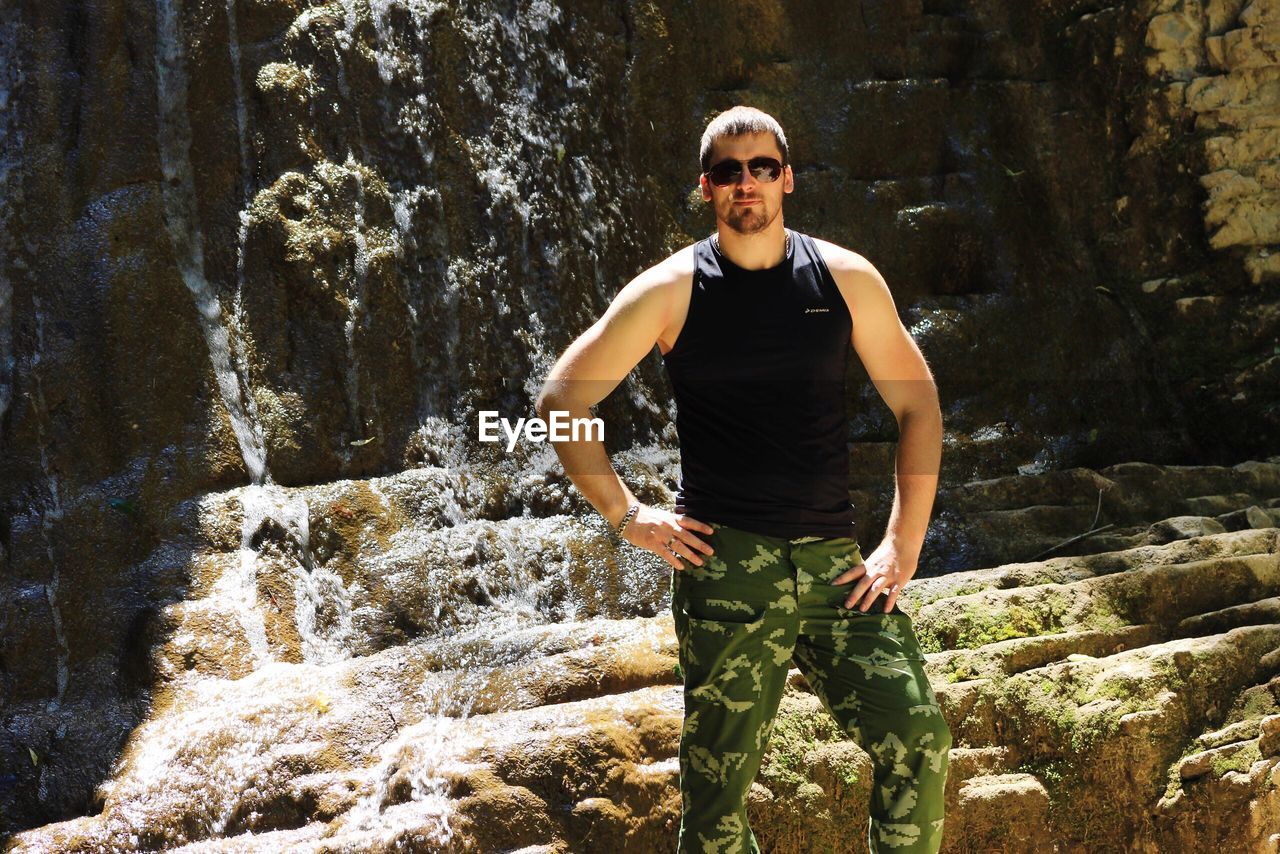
(1103, 617)
(1241, 760)
(929, 642)
(1118, 687)
(1255, 703)
(1036, 697)
(962, 590)
(992, 626)
(973, 627)
(1087, 732)
(1057, 704)
(1130, 597)
(784, 766)
(976, 624)
(794, 735)
(1051, 772)
(964, 666)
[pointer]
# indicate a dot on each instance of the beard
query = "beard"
(748, 219)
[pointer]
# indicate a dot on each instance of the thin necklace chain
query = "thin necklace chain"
(786, 250)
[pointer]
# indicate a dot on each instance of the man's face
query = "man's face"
(748, 206)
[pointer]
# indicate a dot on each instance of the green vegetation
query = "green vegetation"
(1255, 702)
(977, 624)
(1102, 617)
(794, 735)
(1241, 760)
(1051, 772)
(1056, 703)
(962, 590)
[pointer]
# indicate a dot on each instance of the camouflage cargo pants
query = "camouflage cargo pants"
(754, 607)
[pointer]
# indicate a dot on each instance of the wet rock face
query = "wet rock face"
(273, 243)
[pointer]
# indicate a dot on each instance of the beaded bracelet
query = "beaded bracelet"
(631, 511)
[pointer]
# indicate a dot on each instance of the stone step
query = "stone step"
(967, 762)
(1013, 808)
(1214, 622)
(1018, 654)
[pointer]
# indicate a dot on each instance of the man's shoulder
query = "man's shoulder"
(672, 271)
(860, 283)
(682, 261)
(663, 285)
(839, 259)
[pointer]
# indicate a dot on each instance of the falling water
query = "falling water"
(233, 46)
(413, 123)
(182, 223)
(447, 440)
(356, 306)
(315, 590)
(480, 594)
(426, 753)
(242, 230)
(322, 601)
(239, 590)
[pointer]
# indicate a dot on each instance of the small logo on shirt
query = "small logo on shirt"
(813, 310)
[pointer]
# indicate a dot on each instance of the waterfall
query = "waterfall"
(183, 225)
(415, 125)
(356, 306)
(242, 230)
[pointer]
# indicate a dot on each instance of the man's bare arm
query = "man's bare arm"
(893, 361)
(901, 375)
(591, 368)
(585, 374)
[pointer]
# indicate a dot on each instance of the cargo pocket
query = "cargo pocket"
(840, 592)
(877, 604)
(722, 650)
(900, 642)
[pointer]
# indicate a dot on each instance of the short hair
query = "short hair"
(738, 121)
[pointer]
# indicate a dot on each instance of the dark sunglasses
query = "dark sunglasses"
(726, 172)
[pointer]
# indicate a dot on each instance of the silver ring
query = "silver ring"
(667, 544)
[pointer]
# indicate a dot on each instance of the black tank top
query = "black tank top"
(758, 376)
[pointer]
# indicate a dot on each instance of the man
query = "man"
(754, 325)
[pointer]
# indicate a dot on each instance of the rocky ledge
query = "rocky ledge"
(1124, 695)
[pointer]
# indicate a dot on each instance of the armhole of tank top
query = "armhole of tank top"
(688, 315)
(826, 272)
